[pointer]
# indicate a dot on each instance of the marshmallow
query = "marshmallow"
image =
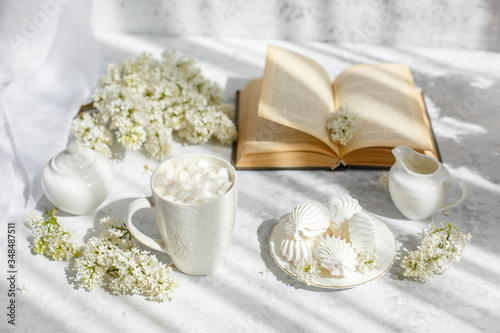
(193, 183)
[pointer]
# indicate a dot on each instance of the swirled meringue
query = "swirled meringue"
(307, 220)
(343, 207)
(337, 256)
(294, 250)
(362, 232)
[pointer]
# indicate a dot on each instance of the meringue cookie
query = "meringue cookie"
(362, 232)
(337, 256)
(343, 207)
(294, 250)
(308, 220)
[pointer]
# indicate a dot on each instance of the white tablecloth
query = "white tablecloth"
(251, 293)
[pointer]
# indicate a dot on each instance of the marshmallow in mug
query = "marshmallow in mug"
(192, 183)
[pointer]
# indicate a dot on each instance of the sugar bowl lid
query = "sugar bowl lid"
(74, 159)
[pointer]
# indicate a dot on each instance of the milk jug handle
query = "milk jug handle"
(463, 188)
(140, 203)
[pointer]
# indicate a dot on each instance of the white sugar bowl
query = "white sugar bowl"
(77, 180)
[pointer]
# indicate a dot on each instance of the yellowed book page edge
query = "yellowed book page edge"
(390, 108)
(296, 92)
(261, 136)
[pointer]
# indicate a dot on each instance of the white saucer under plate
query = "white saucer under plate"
(385, 245)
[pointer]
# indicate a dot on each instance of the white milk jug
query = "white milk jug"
(419, 184)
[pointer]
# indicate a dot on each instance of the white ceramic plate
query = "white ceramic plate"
(385, 245)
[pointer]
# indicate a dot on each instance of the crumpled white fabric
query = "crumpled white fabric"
(48, 68)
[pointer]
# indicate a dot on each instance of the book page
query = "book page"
(296, 92)
(390, 108)
(258, 135)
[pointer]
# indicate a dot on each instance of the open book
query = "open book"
(282, 117)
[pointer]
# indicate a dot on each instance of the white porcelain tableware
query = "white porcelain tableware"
(197, 236)
(386, 248)
(77, 180)
(418, 184)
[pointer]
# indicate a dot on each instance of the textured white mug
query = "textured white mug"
(196, 236)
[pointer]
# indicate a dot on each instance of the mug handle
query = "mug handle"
(463, 188)
(134, 206)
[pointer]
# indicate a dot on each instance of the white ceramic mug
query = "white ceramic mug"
(196, 236)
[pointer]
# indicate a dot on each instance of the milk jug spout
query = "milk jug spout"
(412, 162)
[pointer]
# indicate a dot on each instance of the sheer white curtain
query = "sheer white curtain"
(48, 67)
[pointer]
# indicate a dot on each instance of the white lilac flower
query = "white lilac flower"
(110, 259)
(383, 179)
(158, 141)
(130, 134)
(307, 270)
(265, 272)
(170, 93)
(368, 261)
(200, 125)
(225, 132)
(438, 248)
(342, 125)
(88, 132)
(50, 238)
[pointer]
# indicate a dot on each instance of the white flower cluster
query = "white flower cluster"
(342, 125)
(91, 134)
(50, 238)
(307, 269)
(144, 101)
(383, 179)
(438, 248)
(112, 259)
(368, 261)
